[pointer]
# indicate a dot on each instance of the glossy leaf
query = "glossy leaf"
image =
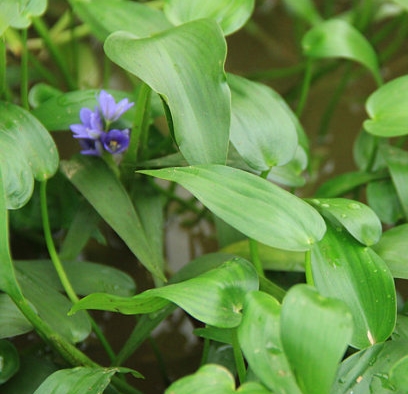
(78, 380)
(397, 162)
(357, 218)
(261, 129)
(100, 186)
(215, 297)
(107, 16)
(387, 109)
(254, 206)
(336, 38)
(304, 9)
(212, 379)
(369, 370)
(28, 153)
(230, 14)
(259, 336)
(393, 249)
(315, 333)
(10, 361)
(17, 324)
(346, 270)
(185, 66)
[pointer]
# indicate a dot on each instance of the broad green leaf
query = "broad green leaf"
(254, 206)
(369, 370)
(42, 92)
(365, 152)
(387, 109)
(397, 162)
(399, 374)
(78, 380)
(261, 129)
(215, 297)
(345, 269)
(393, 249)
(337, 38)
(401, 328)
(9, 360)
(230, 14)
(17, 324)
(85, 277)
(315, 331)
(185, 66)
(212, 379)
(345, 183)
(28, 153)
(107, 16)
(304, 9)
(104, 191)
(358, 219)
(383, 200)
(259, 336)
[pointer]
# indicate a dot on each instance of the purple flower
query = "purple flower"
(91, 147)
(110, 110)
(115, 141)
(91, 126)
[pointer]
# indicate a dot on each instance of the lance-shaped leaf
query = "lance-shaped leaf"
(358, 219)
(215, 297)
(344, 269)
(101, 187)
(230, 14)
(17, 324)
(28, 153)
(80, 380)
(107, 16)
(254, 206)
(315, 333)
(304, 9)
(397, 162)
(262, 131)
(185, 66)
(387, 109)
(259, 336)
(337, 38)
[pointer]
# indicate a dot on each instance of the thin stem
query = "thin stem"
(305, 88)
(61, 270)
(206, 350)
(239, 358)
(3, 65)
(308, 268)
(24, 71)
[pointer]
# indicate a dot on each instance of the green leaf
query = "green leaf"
(399, 374)
(344, 269)
(262, 131)
(254, 206)
(18, 13)
(387, 109)
(393, 249)
(401, 328)
(369, 370)
(357, 218)
(212, 379)
(107, 16)
(104, 191)
(78, 380)
(259, 336)
(9, 360)
(304, 9)
(185, 66)
(215, 297)
(17, 324)
(230, 14)
(28, 152)
(337, 38)
(397, 162)
(315, 333)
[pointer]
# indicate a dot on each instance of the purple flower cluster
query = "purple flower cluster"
(94, 133)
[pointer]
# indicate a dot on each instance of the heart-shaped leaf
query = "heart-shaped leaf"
(315, 331)
(230, 14)
(344, 269)
(254, 206)
(185, 66)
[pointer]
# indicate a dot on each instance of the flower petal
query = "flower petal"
(116, 141)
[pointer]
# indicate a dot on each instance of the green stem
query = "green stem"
(206, 350)
(305, 88)
(256, 261)
(3, 65)
(42, 30)
(24, 71)
(239, 358)
(61, 270)
(308, 268)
